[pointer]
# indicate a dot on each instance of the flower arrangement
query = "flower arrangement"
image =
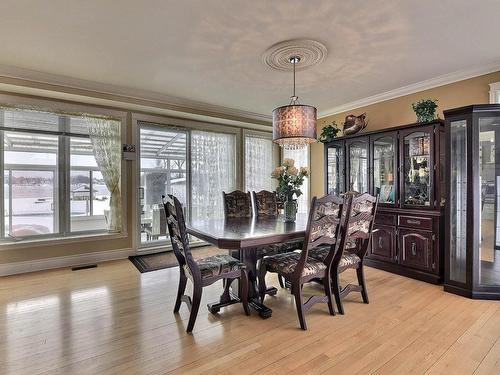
(290, 179)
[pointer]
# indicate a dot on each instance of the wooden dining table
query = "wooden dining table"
(242, 237)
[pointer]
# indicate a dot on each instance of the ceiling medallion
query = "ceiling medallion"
(310, 52)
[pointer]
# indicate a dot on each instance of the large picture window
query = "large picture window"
(213, 170)
(301, 158)
(259, 162)
(53, 184)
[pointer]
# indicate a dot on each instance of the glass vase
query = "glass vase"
(290, 208)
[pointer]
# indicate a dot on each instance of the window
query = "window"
(89, 195)
(259, 162)
(213, 170)
(301, 158)
(53, 184)
(495, 93)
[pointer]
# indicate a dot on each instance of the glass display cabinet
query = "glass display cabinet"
(417, 161)
(384, 162)
(404, 167)
(335, 166)
(357, 164)
(472, 256)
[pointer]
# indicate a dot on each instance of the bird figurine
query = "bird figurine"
(354, 124)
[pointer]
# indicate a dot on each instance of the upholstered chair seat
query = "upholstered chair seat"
(348, 260)
(279, 248)
(286, 263)
(216, 265)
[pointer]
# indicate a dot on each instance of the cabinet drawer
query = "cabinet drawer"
(385, 219)
(415, 222)
(383, 243)
(416, 249)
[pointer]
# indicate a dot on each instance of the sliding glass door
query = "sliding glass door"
(163, 170)
(196, 166)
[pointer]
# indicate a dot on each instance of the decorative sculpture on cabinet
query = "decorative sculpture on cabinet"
(354, 124)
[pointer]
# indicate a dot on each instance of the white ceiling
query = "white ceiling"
(210, 51)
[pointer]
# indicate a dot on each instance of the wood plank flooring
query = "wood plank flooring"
(114, 320)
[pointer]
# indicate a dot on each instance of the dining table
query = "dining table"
(242, 237)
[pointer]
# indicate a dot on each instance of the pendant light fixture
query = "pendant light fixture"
(294, 125)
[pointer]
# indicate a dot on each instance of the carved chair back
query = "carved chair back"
(237, 204)
(361, 220)
(265, 203)
(325, 227)
(178, 234)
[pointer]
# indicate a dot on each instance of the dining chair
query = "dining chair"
(237, 204)
(325, 227)
(351, 255)
(265, 204)
(202, 272)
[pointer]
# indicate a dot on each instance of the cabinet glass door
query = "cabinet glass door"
(417, 168)
(489, 207)
(384, 161)
(458, 201)
(358, 166)
(335, 169)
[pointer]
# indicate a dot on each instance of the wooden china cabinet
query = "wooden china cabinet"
(404, 166)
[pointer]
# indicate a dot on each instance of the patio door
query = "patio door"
(163, 169)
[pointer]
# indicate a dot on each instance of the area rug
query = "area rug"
(167, 259)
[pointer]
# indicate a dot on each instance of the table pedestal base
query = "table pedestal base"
(263, 311)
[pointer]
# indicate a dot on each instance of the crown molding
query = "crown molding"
(442, 80)
(62, 84)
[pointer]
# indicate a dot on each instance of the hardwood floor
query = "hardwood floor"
(113, 320)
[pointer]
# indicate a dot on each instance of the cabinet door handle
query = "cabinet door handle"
(411, 221)
(413, 249)
(380, 242)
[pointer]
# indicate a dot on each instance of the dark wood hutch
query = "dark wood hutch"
(404, 166)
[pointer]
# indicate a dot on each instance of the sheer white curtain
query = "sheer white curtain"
(259, 163)
(213, 170)
(106, 146)
(301, 158)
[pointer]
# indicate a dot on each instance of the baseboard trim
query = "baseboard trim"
(64, 261)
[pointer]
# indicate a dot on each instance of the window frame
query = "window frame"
(61, 109)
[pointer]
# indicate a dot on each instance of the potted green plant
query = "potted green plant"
(290, 180)
(425, 109)
(329, 132)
